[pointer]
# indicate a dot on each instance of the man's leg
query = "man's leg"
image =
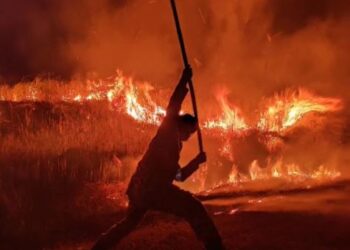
(184, 205)
(120, 230)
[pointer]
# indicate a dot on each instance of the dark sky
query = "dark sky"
(62, 38)
(292, 15)
(36, 35)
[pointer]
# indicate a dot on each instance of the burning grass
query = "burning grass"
(58, 139)
(90, 116)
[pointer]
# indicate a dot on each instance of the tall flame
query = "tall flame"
(230, 118)
(135, 99)
(150, 112)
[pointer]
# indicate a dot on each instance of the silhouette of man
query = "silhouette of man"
(151, 185)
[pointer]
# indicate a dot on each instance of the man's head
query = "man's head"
(188, 124)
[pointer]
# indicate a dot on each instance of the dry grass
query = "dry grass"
(55, 163)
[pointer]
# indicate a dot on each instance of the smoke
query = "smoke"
(266, 46)
(252, 47)
(64, 38)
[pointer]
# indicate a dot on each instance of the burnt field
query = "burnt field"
(65, 166)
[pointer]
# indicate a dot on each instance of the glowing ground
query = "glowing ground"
(310, 218)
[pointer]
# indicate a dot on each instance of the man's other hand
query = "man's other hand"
(200, 158)
(187, 74)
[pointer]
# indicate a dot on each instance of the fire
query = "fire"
(149, 113)
(125, 94)
(230, 118)
(286, 109)
(136, 99)
(280, 113)
(280, 170)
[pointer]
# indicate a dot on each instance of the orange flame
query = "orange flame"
(279, 170)
(230, 118)
(150, 112)
(286, 109)
(134, 98)
(112, 89)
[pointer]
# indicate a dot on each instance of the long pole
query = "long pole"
(186, 64)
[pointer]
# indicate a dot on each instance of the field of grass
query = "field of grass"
(64, 167)
(61, 164)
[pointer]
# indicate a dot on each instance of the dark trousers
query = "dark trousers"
(171, 200)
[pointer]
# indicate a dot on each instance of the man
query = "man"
(151, 186)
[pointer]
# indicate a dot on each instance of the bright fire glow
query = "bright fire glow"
(286, 109)
(135, 99)
(291, 172)
(230, 117)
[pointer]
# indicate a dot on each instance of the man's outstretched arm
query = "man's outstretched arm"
(179, 93)
(185, 172)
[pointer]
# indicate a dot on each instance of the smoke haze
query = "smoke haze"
(251, 47)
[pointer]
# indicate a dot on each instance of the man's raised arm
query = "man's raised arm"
(179, 93)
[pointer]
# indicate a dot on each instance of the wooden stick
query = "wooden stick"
(186, 64)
